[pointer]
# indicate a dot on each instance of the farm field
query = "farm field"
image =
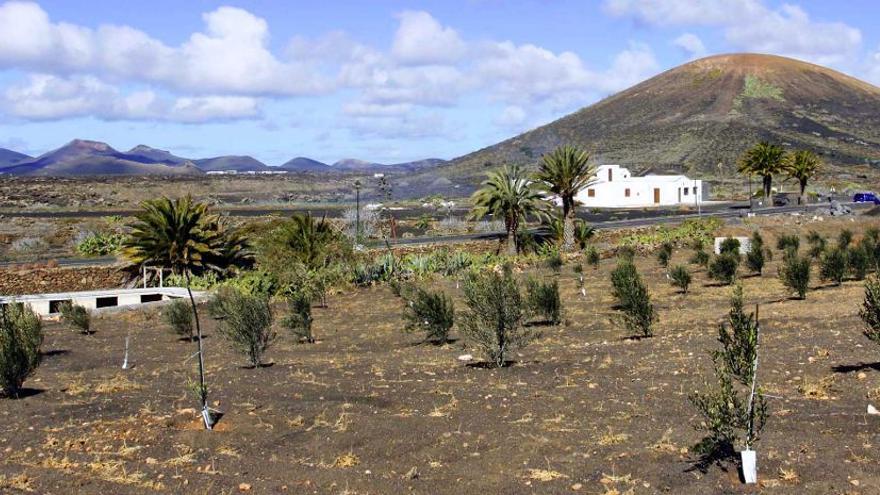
(368, 409)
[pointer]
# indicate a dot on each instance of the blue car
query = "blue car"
(866, 197)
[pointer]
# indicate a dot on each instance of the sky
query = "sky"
(385, 81)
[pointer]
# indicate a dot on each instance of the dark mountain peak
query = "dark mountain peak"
(87, 145)
(302, 163)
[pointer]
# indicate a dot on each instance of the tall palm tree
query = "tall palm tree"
(564, 172)
(802, 166)
(179, 234)
(764, 160)
(510, 195)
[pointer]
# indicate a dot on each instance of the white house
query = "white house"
(615, 187)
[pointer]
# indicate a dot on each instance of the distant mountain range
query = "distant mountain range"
(82, 157)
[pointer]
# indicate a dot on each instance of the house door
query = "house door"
(679, 195)
(656, 195)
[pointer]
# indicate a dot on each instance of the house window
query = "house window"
(609, 175)
(591, 193)
(685, 191)
(695, 189)
(626, 192)
(106, 302)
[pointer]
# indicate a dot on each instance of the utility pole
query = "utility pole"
(697, 199)
(751, 205)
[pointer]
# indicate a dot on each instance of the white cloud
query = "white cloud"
(790, 31)
(422, 40)
(47, 97)
(691, 45)
(752, 26)
(230, 56)
(511, 117)
(872, 67)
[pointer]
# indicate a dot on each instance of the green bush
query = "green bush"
(729, 245)
(21, 335)
(723, 268)
(870, 310)
(858, 261)
(299, 316)
(844, 239)
(664, 254)
(542, 300)
(681, 278)
(494, 318)
(430, 312)
(245, 320)
(817, 244)
(832, 265)
(637, 312)
(755, 256)
(700, 258)
(724, 411)
(179, 316)
(255, 282)
(788, 241)
(794, 273)
(592, 256)
(551, 256)
(77, 317)
(626, 253)
(100, 243)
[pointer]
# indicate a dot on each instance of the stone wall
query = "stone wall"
(20, 280)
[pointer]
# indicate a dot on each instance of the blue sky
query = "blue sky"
(379, 80)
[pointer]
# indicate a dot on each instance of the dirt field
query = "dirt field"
(368, 410)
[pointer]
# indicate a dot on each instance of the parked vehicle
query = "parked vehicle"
(866, 197)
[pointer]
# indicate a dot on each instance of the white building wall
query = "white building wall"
(616, 187)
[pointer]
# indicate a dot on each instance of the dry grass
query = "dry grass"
(817, 389)
(346, 460)
(544, 475)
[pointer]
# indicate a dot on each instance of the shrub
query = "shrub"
(870, 311)
(723, 268)
(844, 239)
(858, 261)
(788, 241)
(299, 316)
(179, 316)
(592, 255)
(664, 254)
(755, 256)
(245, 320)
(832, 265)
(729, 245)
(795, 273)
(638, 313)
(542, 300)
(494, 319)
(21, 335)
(725, 411)
(681, 278)
(817, 244)
(77, 317)
(626, 253)
(552, 257)
(430, 312)
(700, 258)
(99, 243)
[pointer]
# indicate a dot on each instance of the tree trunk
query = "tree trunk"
(768, 185)
(511, 225)
(203, 391)
(567, 225)
(801, 197)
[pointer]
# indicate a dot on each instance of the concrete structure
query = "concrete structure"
(50, 304)
(615, 187)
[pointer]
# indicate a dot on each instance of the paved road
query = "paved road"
(725, 211)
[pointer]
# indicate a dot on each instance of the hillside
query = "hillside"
(225, 163)
(9, 157)
(701, 116)
(303, 164)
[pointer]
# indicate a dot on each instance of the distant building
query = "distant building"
(615, 187)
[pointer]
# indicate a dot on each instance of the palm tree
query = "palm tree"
(510, 195)
(564, 172)
(764, 160)
(179, 234)
(802, 166)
